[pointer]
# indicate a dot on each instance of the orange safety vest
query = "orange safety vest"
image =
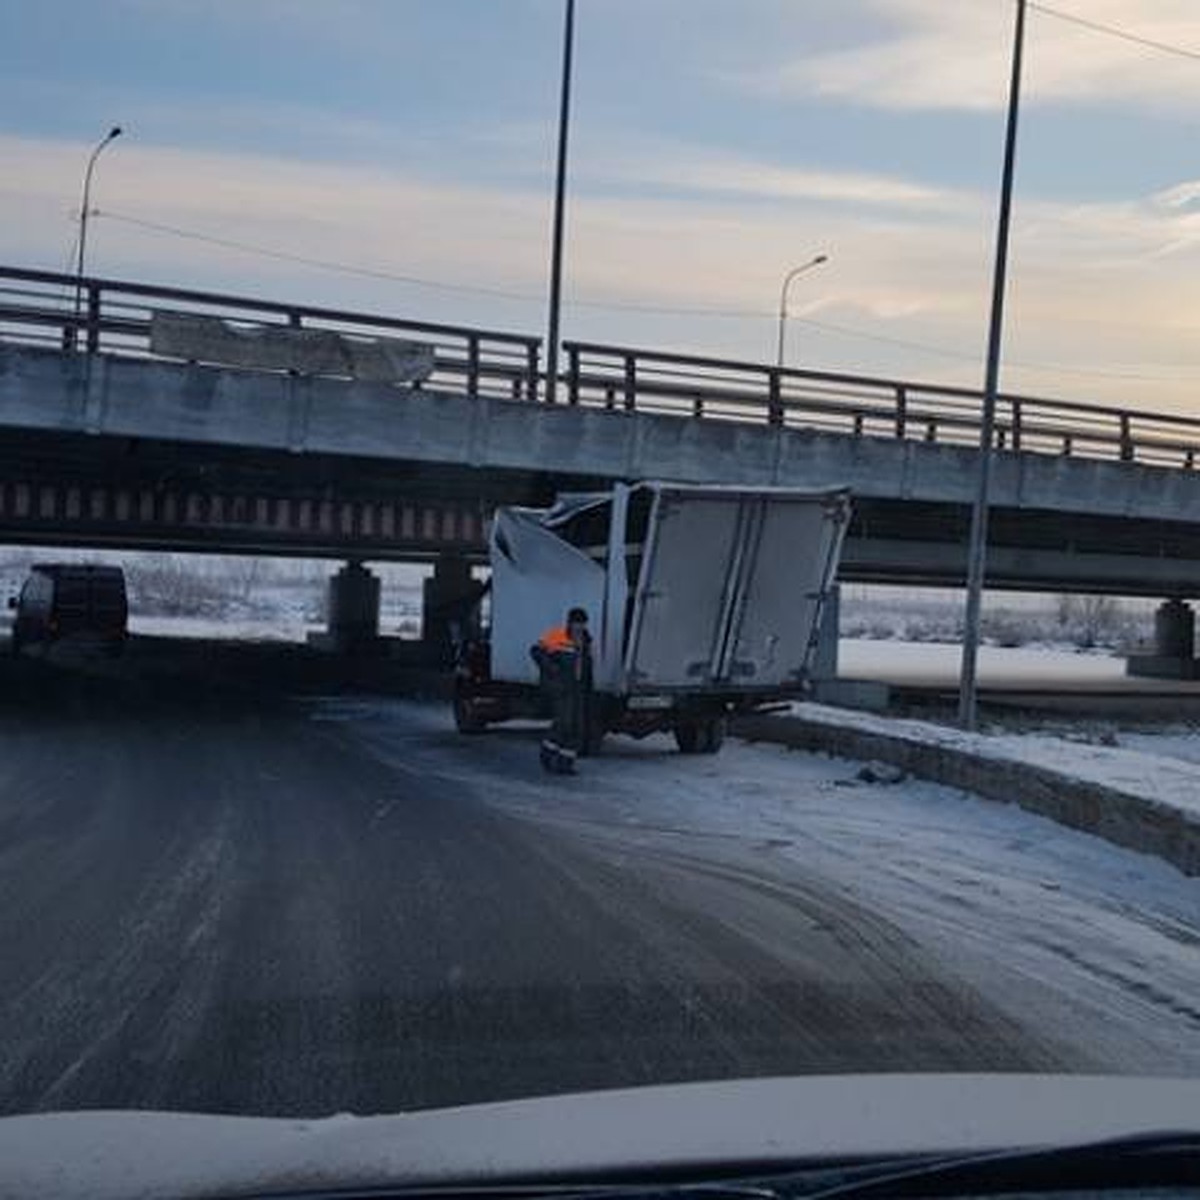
(558, 641)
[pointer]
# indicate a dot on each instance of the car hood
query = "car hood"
(756, 1123)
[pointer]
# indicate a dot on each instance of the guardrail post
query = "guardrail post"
(531, 371)
(774, 397)
(901, 410)
(572, 373)
(1126, 439)
(931, 431)
(1067, 444)
(472, 364)
(610, 397)
(1189, 459)
(858, 424)
(93, 318)
(1016, 424)
(630, 382)
(293, 322)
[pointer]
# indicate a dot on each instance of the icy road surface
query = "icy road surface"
(238, 904)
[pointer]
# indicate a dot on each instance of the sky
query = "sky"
(714, 145)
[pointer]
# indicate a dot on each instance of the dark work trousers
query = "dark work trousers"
(565, 681)
(566, 708)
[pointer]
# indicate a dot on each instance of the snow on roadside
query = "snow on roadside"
(1159, 780)
(1180, 744)
(243, 629)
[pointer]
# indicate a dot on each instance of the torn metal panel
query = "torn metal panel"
(536, 578)
(199, 338)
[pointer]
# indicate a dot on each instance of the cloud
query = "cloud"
(1181, 195)
(701, 170)
(942, 55)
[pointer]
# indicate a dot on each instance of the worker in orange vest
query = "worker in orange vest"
(564, 658)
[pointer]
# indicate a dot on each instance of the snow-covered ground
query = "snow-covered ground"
(1139, 767)
(1180, 743)
(276, 612)
(1173, 747)
(1056, 927)
(926, 663)
(281, 628)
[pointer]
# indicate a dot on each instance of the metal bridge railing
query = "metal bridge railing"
(619, 377)
(40, 308)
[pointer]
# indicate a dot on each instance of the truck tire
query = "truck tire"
(701, 736)
(714, 735)
(466, 718)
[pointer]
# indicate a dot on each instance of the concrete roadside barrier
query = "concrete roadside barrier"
(1135, 800)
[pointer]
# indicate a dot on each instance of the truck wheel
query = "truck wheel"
(700, 736)
(713, 736)
(687, 737)
(466, 719)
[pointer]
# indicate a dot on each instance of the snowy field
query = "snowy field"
(937, 664)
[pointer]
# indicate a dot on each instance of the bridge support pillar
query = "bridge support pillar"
(352, 608)
(447, 596)
(1174, 654)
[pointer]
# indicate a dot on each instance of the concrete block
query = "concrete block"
(282, 348)
(1162, 666)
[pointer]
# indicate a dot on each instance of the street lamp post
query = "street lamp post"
(783, 293)
(84, 206)
(977, 548)
(560, 190)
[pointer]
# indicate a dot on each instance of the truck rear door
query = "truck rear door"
(731, 587)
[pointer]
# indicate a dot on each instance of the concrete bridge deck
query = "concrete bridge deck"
(115, 446)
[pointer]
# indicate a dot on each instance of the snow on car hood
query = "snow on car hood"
(750, 1122)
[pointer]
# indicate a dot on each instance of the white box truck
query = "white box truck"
(702, 601)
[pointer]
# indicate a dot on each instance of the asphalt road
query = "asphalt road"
(212, 901)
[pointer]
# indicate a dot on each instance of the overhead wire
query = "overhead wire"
(418, 281)
(1114, 31)
(600, 305)
(304, 259)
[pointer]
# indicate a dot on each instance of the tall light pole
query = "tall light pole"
(977, 548)
(783, 294)
(84, 206)
(560, 191)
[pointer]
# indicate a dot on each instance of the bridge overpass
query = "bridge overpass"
(110, 443)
